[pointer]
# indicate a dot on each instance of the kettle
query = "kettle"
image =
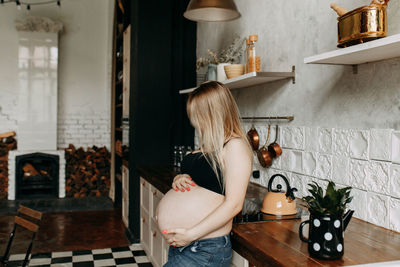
(277, 202)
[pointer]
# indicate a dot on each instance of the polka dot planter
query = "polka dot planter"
(325, 237)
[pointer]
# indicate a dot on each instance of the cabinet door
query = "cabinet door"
(125, 195)
(145, 195)
(157, 195)
(145, 232)
(157, 245)
(165, 253)
(238, 261)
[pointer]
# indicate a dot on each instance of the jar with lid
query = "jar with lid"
(253, 62)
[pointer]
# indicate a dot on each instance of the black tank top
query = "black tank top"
(202, 173)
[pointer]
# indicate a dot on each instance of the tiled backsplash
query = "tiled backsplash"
(367, 160)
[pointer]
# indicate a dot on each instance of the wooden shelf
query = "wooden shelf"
(377, 50)
(118, 129)
(118, 105)
(252, 79)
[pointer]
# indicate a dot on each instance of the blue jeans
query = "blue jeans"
(212, 252)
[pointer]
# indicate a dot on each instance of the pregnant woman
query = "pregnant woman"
(196, 215)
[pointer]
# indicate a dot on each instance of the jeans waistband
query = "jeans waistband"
(223, 240)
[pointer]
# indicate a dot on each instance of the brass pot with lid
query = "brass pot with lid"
(362, 24)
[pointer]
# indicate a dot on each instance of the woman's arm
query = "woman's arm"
(238, 165)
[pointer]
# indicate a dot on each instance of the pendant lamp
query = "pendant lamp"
(211, 10)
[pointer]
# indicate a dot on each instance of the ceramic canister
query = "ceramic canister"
(221, 75)
(212, 72)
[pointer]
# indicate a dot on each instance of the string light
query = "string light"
(28, 5)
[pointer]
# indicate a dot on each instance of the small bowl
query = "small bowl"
(234, 70)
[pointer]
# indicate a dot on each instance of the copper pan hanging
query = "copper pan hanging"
(253, 137)
(274, 148)
(263, 155)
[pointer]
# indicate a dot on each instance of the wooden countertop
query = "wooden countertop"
(277, 243)
(161, 176)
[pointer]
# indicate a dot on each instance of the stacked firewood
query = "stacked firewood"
(87, 172)
(7, 143)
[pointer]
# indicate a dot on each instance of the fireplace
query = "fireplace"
(44, 162)
(37, 168)
(37, 176)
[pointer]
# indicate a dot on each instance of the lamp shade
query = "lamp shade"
(211, 10)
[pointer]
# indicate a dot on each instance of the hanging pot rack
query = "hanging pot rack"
(288, 118)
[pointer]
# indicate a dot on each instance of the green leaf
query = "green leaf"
(333, 202)
(330, 190)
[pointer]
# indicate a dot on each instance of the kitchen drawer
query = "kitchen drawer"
(157, 196)
(145, 201)
(145, 233)
(157, 245)
(238, 261)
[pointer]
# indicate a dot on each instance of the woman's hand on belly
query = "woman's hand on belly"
(182, 182)
(178, 237)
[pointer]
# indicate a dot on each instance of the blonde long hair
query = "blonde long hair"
(213, 112)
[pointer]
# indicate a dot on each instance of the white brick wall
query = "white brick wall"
(80, 129)
(84, 130)
(367, 160)
(8, 119)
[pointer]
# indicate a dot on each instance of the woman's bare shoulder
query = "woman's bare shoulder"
(238, 158)
(236, 141)
(237, 145)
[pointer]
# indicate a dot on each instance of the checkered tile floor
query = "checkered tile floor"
(133, 255)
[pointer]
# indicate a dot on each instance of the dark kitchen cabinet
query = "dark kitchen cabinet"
(162, 62)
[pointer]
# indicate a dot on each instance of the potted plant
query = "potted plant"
(216, 61)
(328, 220)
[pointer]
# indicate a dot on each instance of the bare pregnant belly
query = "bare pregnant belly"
(186, 209)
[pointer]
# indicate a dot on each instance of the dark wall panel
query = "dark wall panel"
(184, 72)
(163, 61)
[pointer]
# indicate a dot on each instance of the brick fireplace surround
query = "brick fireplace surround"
(12, 171)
